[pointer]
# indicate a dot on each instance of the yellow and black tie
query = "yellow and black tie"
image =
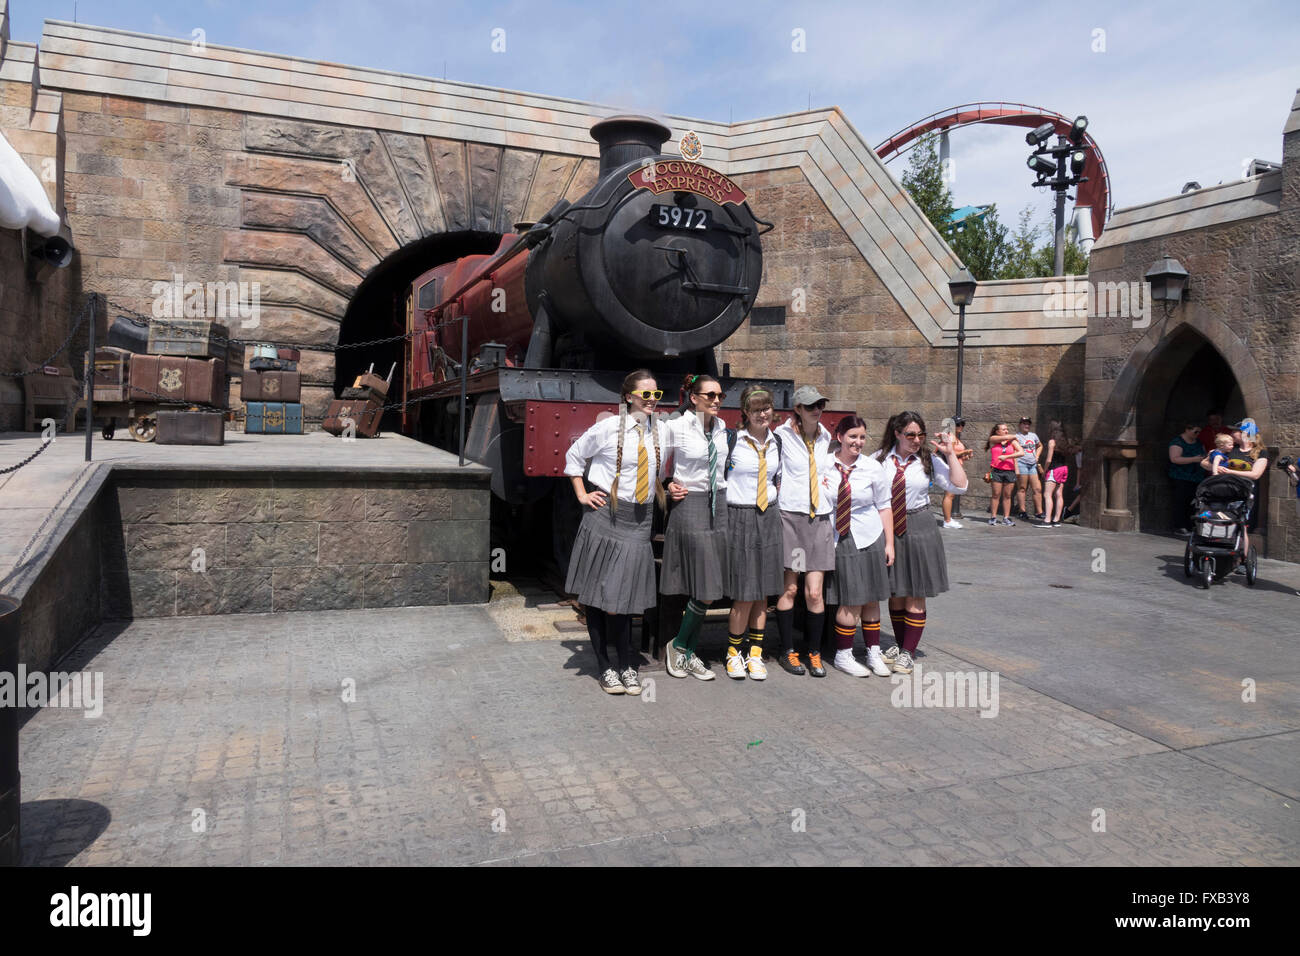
(813, 500)
(642, 470)
(761, 498)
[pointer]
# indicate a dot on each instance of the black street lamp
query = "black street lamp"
(961, 286)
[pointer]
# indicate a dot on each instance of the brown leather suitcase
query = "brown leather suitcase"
(112, 373)
(195, 426)
(170, 378)
(365, 414)
(271, 386)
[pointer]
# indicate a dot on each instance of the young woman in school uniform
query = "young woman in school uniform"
(612, 568)
(754, 545)
(920, 568)
(806, 530)
(695, 540)
(864, 546)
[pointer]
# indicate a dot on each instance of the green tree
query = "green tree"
(981, 244)
(923, 179)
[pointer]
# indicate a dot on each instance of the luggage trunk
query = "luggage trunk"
(273, 418)
(364, 414)
(112, 374)
(196, 426)
(271, 386)
(196, 337)
(373, 382)
(273, 364)
(166, 378)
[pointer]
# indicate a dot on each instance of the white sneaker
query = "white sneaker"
(757, 669)
(736, 666)
(891, 654)
(952, 524)
(845, 661)
(697, 669)
(675, 660)
(876, 661)
(903, 665)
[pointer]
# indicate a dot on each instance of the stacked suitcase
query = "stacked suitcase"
(362, 406)
(272, 392)
(186, 366)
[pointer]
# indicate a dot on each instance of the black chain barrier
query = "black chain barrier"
(37, 369)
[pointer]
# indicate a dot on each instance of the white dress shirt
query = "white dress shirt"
(794, 468)
(598, 445)
(918, 484)
(869, 486)
(742, 483)
(691, 451)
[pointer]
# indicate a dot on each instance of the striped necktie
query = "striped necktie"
(760, 497)
(898, 499)
(813, 499)
(843, 501)
(642, 470)
(713, 475)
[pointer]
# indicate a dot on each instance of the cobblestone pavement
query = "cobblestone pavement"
(1119, 702)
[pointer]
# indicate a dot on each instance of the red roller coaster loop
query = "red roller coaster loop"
(1095, 193)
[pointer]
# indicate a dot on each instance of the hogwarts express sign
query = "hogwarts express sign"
(678, 176)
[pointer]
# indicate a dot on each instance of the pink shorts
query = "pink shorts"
(1058, 475)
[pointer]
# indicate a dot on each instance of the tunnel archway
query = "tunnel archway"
(377, 309)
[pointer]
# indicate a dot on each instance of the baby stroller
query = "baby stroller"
(1220, 512)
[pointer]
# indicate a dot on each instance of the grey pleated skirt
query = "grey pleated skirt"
(860, 574)
(810, 535)
(920, 567)
(612, 566)
(754, 546)
(695, 547)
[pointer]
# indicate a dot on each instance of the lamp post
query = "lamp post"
(961, 286)
(1049, 165)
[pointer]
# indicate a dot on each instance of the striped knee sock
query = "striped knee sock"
(733, 643)
(871, 633)
(915, 625)
(692, 620)
(896, 616)
(844, 637)
(755, 642)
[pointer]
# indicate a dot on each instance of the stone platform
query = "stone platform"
(263, 523)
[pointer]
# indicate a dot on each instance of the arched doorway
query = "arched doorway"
(1185, 378)
(376, 310)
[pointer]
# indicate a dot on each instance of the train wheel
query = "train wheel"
(1207, 571)
(143, 428)
(1189, 561)
(1252, 566)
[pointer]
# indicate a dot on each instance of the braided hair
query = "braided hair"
(629, 383)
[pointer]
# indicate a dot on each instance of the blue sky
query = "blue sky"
(1182, 91)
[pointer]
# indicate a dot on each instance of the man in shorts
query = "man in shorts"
(1027, 470)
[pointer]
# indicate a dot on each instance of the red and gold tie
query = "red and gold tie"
(843, 502)
(898, 499)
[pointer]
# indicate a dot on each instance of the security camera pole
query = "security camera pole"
(1071, 147)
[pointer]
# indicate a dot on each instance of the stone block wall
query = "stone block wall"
(288, 544)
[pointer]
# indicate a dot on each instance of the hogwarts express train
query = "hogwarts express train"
(655, 266)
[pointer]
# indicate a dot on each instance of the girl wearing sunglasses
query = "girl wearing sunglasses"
(805, 526)
(754, 531)
(920, 567)
(695, 540)
(612, 568)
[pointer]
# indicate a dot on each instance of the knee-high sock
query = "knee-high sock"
(915, 625)
(844, 637)
(896, 616)
(599, 636)
(817, 641)
(692, 619)
(871, 633)
(814, 625)
(785, 624)
(733, 643)
(618, 628)
(755, 642)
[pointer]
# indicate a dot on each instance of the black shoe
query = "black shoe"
(790, 663)
(815, 665)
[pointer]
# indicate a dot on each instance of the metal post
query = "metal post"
(1058, 255)
(464, 379)
(89, 372)
(961, 352)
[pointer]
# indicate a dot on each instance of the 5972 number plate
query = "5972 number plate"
(678, 217)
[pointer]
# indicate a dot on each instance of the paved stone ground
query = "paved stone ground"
(1121, 692)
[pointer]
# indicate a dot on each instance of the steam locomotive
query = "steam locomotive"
(654, 266)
